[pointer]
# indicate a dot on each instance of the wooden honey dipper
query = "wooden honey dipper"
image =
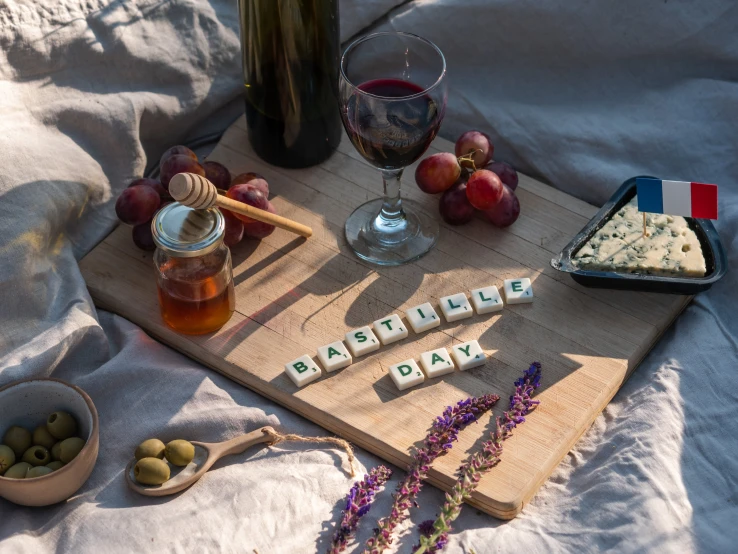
(197, 192)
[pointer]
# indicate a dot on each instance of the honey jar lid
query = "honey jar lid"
(183, 232)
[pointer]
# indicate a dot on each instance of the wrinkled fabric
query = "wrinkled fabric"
(583, 95)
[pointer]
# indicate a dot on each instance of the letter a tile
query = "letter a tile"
(334, 356)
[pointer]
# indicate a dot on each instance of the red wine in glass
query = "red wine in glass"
(393, 123)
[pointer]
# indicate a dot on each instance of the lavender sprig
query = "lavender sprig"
(440, 439)
(434, 534)
(358, 502)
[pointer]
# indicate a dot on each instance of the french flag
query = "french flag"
(698, 200)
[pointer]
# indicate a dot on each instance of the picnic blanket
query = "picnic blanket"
(581, 94)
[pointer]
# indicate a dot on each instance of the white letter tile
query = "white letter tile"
(423, 318)
(456, 307)
(390, 329)
(334, 356)
(436, 363)
(362, 341)
(518, 291)
(406, 374)
(302, 371)
(468, 355)
(486, 300)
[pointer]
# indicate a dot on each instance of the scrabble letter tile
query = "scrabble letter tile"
(406, 374)
(423, 317)
(436, 363)
(334, 356)
(468, 355)
(456, 307)
(362, 341)
(518, 291)
(390, 329)
(302, 371)
(486, 300)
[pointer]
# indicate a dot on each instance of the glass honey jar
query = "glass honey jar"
(194, 270)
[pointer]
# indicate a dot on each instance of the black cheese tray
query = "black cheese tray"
(715, 258)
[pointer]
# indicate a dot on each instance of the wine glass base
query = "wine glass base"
(374, 240)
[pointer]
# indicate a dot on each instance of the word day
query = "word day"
(364, 340)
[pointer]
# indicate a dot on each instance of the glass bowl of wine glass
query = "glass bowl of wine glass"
(392, 93)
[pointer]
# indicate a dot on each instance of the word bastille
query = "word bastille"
(406, 374)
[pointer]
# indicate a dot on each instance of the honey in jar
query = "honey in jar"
(194, 272)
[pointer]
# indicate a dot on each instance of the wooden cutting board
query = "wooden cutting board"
(295, 295)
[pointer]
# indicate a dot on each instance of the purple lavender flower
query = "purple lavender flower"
(440, 439)
(434, 536)
(358, 502)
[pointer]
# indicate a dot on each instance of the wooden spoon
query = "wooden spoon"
(206, 454)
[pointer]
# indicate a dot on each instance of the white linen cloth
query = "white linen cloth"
(583, 94)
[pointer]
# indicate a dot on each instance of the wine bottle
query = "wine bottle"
(290, 52)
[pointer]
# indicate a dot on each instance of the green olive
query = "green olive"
(56, 451)
(18, 471)
(70, 448)
(151, 448)
(151, 471)
(55, 465)
(179, 452)
(39, 471)
(61, 425)
(7, 458)
(19, 439)
(37, 456)
(42, 437)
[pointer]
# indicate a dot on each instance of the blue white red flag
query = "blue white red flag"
(698, 200)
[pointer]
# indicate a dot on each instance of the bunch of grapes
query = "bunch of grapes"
(471, 181)
(143, 198)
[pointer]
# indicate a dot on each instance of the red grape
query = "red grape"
(177, 151)
(178, 163)
(248, 195)
(505, 172)
(142, 236)
(233, 228)
(217, 174)
(484, 189)
(507, 211)
(437, 173)
(477, 142)
(153, 183)
(258, 229)
(455, 207)
(136, 205)
(253, 179)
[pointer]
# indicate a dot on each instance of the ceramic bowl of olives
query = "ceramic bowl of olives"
(49, 440)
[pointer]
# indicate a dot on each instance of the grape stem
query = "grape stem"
(469, 157)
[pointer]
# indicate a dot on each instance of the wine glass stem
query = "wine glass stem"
(392, 213)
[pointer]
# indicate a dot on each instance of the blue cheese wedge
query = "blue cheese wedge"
(670, 248)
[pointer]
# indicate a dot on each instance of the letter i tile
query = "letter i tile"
(302, 371)
(406, 374)
(423, 318)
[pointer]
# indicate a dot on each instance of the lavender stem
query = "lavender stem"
(439, 441)
(434, 534)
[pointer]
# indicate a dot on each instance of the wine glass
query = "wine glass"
(392, 91)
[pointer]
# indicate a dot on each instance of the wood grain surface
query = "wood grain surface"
(295, 295)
